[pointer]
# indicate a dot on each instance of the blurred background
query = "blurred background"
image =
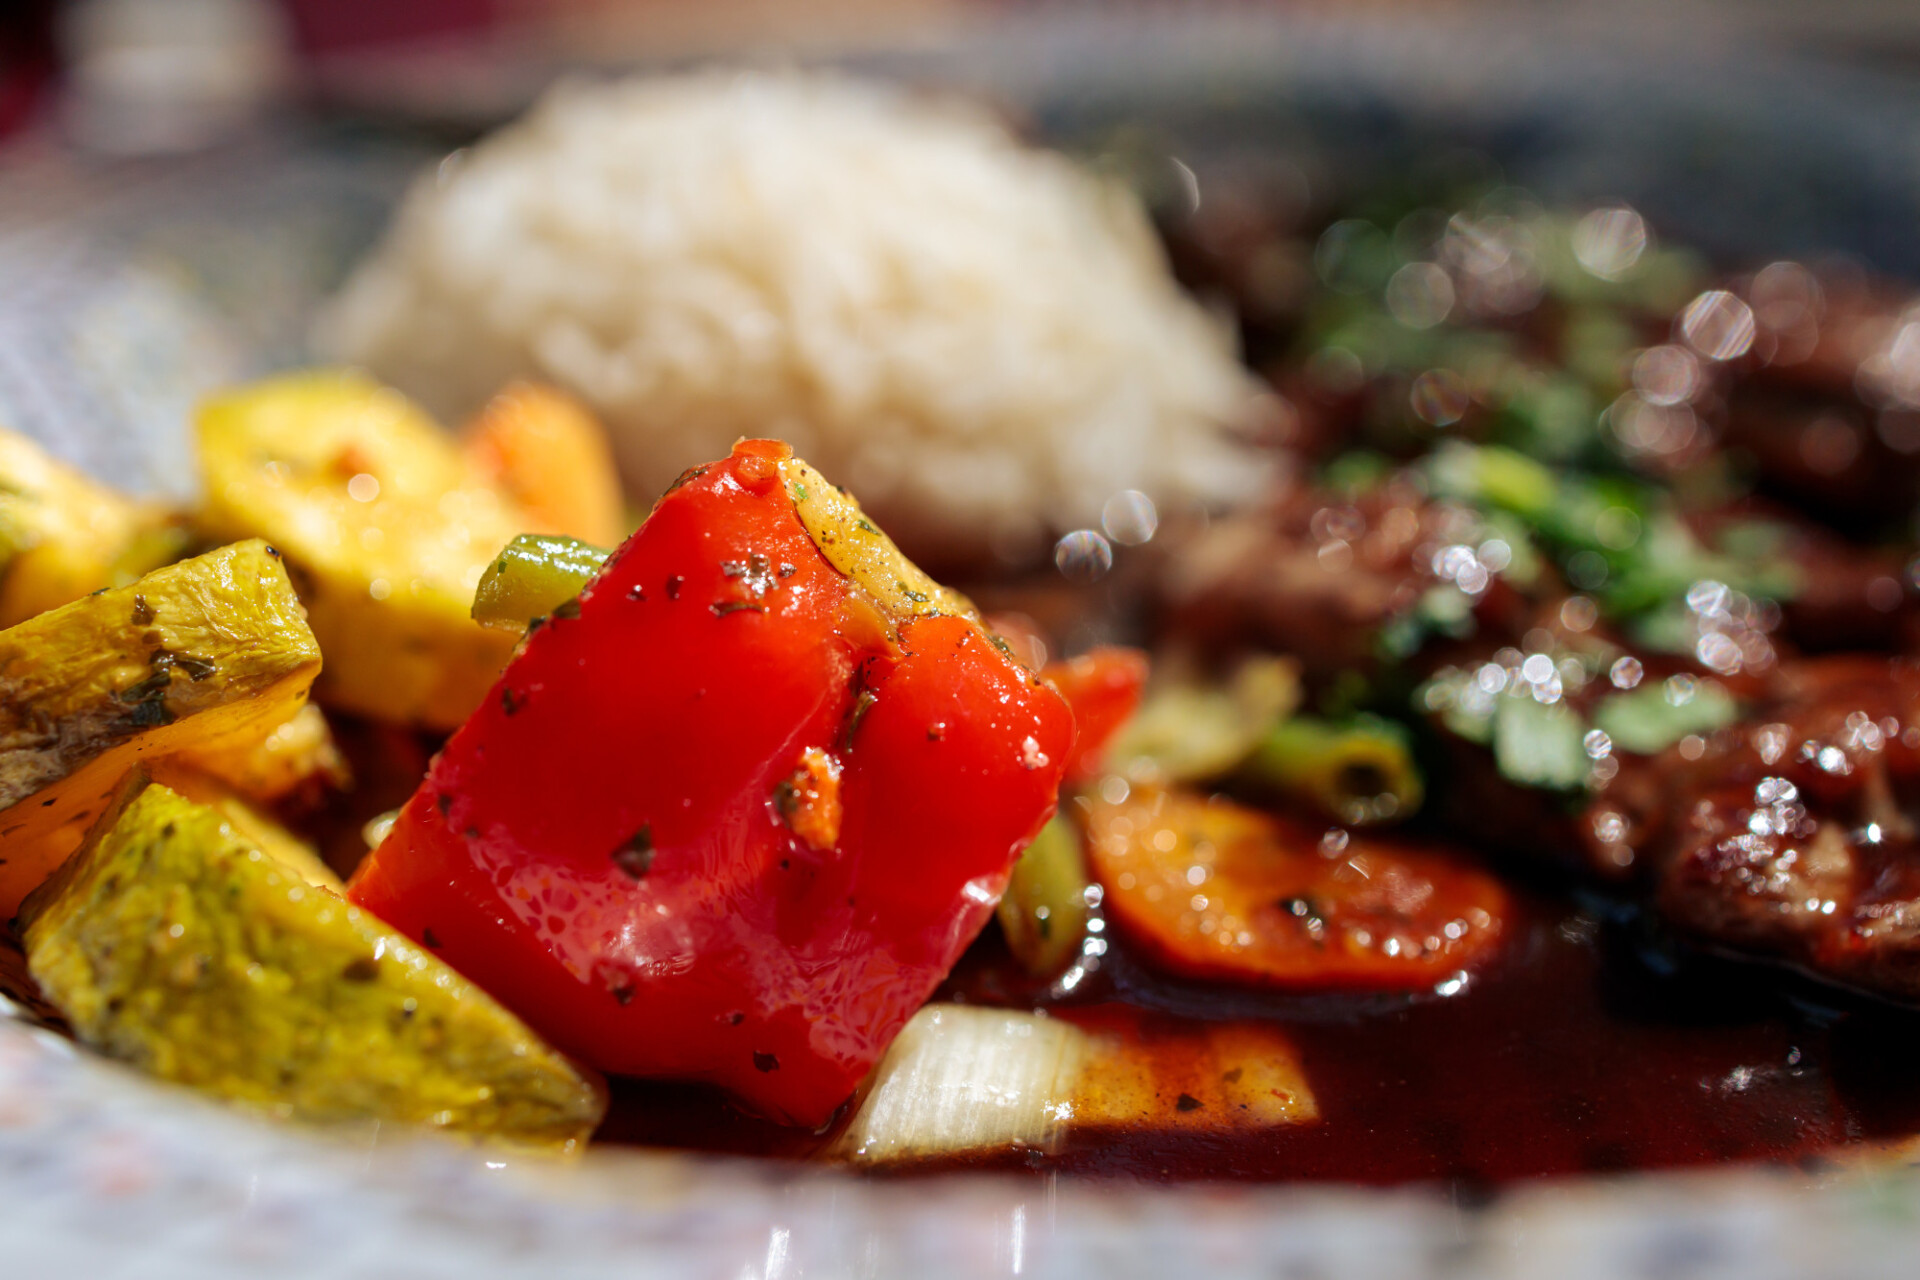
(145, 75)
(182, 180)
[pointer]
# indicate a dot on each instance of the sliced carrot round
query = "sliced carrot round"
(1215, 890)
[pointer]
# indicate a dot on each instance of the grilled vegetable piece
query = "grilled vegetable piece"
(387, 528)
(961, 1080)
(250, 823)
(532, 576)
(202, 654)
(63, 535)
(735, 815)
(300, 751)
(1213, 890)
(174, 943)
(1191, 729)
(965, 1080)
(1043, 914)
(543, 447)
(1358, 771)
(1103, 687)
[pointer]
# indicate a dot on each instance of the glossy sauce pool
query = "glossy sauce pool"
(1585, 1049)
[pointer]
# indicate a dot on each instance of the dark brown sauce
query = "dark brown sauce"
(1589, 1048)
(1559, 1063)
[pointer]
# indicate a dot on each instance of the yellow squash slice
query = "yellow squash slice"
(173, 942)
(388, 529)
(298, 751)
(63, 535)
(181, 775)
(204, 653)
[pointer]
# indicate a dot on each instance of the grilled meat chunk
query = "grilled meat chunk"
(1792, 834)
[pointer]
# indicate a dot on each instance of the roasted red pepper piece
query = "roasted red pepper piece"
(1103, 686)
(734, 817)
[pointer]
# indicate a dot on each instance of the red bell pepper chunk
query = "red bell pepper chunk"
(1103, 686)
(735, 817)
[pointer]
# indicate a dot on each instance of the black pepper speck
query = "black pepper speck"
(635, 857)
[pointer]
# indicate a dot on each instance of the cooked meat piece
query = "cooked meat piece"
(1849, 597)
(1821, 453)
(1320, 576)
(1475, 803)
(1791, 835)
(1824, 406)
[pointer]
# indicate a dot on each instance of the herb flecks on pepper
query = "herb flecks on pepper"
(833, 788)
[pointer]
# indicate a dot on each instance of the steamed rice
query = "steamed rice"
(978, 338)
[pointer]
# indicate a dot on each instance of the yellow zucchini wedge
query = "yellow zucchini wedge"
(172, 942)
(63, 535)
(388, 529)
(208, 652)
(182, 775)
(298, 752)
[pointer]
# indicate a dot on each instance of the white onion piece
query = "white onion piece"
(962, 1080)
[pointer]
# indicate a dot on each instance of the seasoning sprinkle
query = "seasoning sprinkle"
(197, 669)
(149, 715)
(688, 476)
(635, 857)
(862, 704)
(361, 969)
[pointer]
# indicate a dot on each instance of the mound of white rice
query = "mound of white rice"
(977, 338)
